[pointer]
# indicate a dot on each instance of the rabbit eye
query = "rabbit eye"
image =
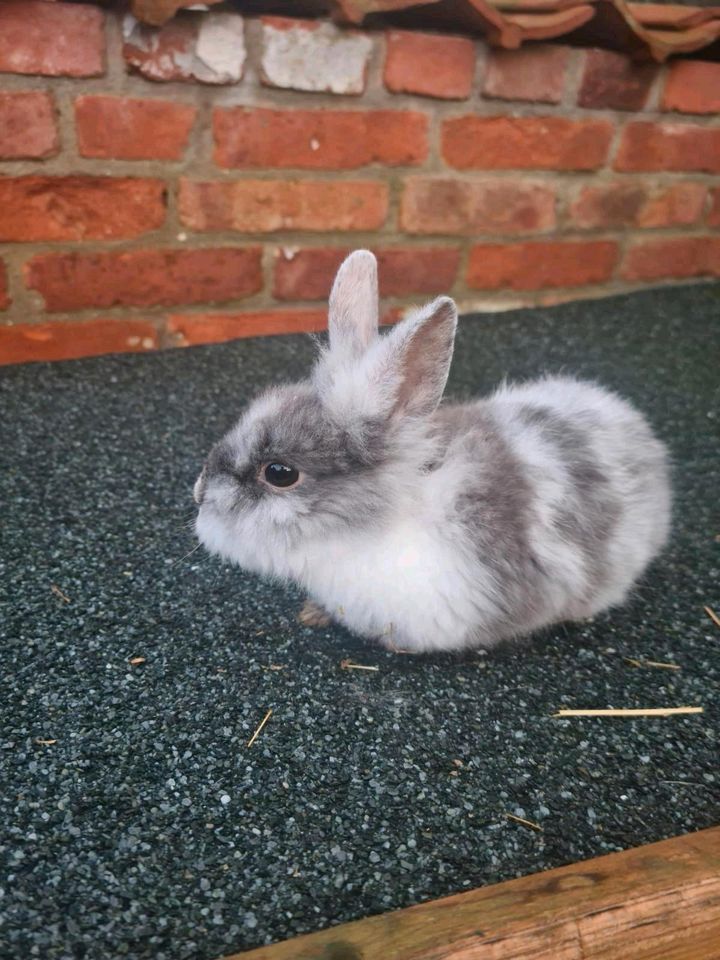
(281, 475)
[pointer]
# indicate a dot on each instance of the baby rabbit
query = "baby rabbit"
(435, 527)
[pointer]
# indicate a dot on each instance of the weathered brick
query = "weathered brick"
(525, 143)
(192, 328)
(79, 207)
(452, 206)
(145, 278)
(714, 215)
(27, 126)
(624, 204)
(53, 40)
(532, 266)
(264, 206)
(313, 55)
(318, 139)
(403, 271)
(534, 73)
(612, 81)
(123, 129)
(209, 47)
(5, 300)
(669, 146)
(677, 258)
(692, 87)
(429, 64)
(63, 341)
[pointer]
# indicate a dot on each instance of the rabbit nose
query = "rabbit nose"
(199, 488)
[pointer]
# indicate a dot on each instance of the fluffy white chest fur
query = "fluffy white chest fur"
(407, 585)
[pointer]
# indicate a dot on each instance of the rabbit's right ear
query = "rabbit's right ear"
(353, 315)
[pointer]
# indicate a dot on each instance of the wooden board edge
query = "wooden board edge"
(656, 902)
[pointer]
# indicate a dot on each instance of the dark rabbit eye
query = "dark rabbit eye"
(281, 475)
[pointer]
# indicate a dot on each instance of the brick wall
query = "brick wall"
(202, 181)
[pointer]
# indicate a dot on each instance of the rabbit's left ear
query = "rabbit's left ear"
(353, 315)
(421, 355)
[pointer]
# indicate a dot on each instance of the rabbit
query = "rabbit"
(434, 527)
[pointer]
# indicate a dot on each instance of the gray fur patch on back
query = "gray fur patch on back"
(592, 510)
(495, 507)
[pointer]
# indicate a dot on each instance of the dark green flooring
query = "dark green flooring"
(148, 829)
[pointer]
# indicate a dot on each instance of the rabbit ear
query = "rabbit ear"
(422, 356)
(353, 315)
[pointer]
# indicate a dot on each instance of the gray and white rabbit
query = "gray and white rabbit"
(434, 527)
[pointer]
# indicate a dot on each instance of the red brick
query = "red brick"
(612, 81)
(5, 300)
(54, 40)
(534, 73)
(318, 139)
(407, 271)
(429, 64)
(264, 206)
(122, 129)
(452, 206)
(308, 274)
(692, 87)
(144, 278)
(27, 126)
(524, 143)
(624, 204)
(79, 207)
(192, 328)
(676, 258)
(678, 205)
(64, 340)
(669, 146)
(714, 215)
(532, 266)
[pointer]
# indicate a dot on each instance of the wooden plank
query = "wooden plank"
(658, 902)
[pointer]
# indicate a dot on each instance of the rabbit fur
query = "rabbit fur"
(428, 526)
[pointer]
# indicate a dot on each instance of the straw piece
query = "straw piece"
(45, 743)
(58, 593)
(349, 665)
(264, 720)
(625, 712)
(656, 664)
(713, 616)
(135, 661)
(525, 823)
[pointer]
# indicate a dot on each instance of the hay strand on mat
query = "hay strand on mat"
(655, 664)
(264, 720)
(58, 593)
(713, 616)
(629, 712)
(349, 665)
(524, 822)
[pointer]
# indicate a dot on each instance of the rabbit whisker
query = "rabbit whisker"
(188, 554)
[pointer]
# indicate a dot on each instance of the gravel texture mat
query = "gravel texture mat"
(134, 820)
